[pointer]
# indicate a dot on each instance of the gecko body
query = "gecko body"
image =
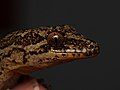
(25, 51)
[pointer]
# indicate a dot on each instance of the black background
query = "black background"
(95, 19)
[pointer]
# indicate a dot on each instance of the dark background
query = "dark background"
(95, 19)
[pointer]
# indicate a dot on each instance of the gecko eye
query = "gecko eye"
(55, 39)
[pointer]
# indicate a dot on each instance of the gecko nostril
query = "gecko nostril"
(91, 46)
(96, 50)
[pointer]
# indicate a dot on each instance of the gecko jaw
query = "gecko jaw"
(86, 51)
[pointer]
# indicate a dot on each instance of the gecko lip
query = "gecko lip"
(70, 51)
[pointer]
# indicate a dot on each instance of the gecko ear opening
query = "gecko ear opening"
(55, 39)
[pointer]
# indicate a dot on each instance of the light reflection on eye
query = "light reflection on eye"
(55, 39)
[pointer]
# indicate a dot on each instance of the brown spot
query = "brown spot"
(33, 52)
(73, 54)
(2, 68)
(0, 73)
(24, 60)
(40, 60)
(78, 54)
(56, 56)
(55, 59)
(63, 54)
(12, 61)
(47, 58)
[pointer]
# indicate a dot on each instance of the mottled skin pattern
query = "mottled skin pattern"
(25, 51)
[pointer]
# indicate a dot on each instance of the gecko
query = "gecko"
(28, 50)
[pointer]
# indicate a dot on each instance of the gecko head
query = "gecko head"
(65, 43)
(45, 46)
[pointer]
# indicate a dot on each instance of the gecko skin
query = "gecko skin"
(25, 51)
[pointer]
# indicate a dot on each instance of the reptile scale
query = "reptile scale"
(25, 51)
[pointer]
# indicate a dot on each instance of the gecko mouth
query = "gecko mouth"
(86, 51)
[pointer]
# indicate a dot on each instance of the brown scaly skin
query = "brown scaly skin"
(25, 51)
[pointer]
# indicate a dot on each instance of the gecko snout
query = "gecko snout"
(92, 49)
